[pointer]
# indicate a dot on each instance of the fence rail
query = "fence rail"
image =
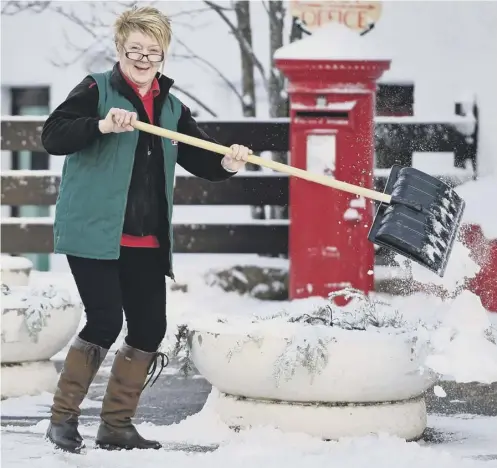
(396, 140)
(35, 235)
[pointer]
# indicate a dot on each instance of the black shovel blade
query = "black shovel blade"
(422, 221)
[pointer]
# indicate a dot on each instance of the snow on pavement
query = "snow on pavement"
(35, 406)
(267, 447)
(203, 440)
(261, 447)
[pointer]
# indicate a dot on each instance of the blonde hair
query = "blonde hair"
(147, 20)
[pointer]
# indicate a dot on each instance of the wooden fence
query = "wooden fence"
(396, 140)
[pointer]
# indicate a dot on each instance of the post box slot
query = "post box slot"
(329, 114)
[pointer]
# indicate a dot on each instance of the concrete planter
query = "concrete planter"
(357, 367)
(322, 380)
(15, 270)
(405, 419)
(36, 323)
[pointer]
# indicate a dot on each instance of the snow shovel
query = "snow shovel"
(418, 216)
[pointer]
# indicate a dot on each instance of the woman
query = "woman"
(113, 222)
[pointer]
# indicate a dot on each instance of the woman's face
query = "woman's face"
(141, 70)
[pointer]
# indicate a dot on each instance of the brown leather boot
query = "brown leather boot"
(129, 372)
(80, 367)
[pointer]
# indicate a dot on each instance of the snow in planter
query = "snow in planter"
(10, 262)
(362, 313)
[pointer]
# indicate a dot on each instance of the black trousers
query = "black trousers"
(136, 283)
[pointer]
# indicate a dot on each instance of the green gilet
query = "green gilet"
(92, 198)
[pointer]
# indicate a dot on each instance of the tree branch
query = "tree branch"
(76, 20)
(218, 7)
(195, 99)
(244, 44)
(94, 26)
(216, 70)
(266, 7)
(93, 50)
(12, 8)
(122, 5)
(189, 12)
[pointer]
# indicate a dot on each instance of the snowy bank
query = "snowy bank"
(481, 208)
(463, 342)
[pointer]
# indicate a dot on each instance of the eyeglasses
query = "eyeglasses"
(139, 56)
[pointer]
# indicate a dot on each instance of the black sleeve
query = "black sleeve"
(197, 161)
(74, 124)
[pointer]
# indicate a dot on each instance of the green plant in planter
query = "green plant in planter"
(366, 313)
(302, 350)
(181, 350)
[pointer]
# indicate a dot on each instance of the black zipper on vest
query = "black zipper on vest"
(150, 145)
(157, 115)
(170, 221)
(150, 148)
(149, 152)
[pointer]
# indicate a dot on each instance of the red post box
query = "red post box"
(332, 107)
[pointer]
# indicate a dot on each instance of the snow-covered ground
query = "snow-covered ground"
(203, 440)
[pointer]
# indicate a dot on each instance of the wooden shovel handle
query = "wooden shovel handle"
(292, 171)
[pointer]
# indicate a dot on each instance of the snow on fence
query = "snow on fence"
(397, 139)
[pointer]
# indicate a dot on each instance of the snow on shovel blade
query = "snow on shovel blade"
(422, 220)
